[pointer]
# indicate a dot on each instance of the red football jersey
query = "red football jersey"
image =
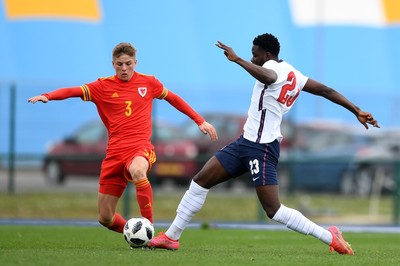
(125, 107)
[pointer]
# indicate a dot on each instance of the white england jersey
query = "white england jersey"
(269, 103)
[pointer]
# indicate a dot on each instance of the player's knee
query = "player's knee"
(137, 174)
(104, 220)
(210, 175)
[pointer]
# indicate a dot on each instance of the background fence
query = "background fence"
(373, 182)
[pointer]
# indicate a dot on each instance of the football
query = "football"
(138, 231)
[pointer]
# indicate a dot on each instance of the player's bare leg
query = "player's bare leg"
(106, 206)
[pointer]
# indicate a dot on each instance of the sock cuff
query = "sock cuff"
(279, 213)
(196, 187)
(141, 183)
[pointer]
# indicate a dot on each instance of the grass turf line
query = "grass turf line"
(67, 245)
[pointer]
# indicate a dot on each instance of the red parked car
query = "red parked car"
(82, 154)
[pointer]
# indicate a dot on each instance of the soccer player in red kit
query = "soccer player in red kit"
(124, 103)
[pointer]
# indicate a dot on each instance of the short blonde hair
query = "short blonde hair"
(124, 48)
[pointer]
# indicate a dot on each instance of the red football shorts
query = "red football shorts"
(115, 174)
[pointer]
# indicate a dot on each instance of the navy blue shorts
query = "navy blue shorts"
(260, 160)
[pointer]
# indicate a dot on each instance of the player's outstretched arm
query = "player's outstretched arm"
(60, 94)
(262, 74)
(209, 129)
(38, 98)
(317, 88)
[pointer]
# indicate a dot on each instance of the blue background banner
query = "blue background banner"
(176, 43)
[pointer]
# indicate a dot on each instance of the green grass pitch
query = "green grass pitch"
(68, 245)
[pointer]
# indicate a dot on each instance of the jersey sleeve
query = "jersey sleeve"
(92, 90)
(184, 107)
(159, 91)
(301, 79)
(64, 93)
(272, 65)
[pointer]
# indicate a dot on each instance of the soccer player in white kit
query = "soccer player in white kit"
(277, 86)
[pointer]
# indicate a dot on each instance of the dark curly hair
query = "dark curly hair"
(268, 42)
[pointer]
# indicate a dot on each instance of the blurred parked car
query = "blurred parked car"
(377, 164)
(82, 153)
(339, 158)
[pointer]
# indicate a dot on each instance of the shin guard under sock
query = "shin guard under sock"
(144, 196)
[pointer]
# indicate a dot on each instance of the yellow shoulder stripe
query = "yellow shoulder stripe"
(163, 94)
(86, 93)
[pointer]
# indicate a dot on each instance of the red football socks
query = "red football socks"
(144, 196)
(118, 223)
